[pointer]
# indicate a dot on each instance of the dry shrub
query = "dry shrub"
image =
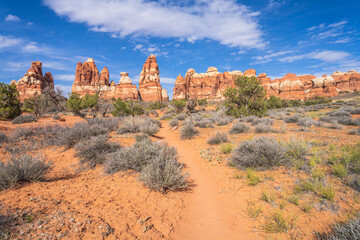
(24, 119)
(188, 131)
(24, 168)
(218, 138)
(259, 153)
(94, 150)
(239, 127)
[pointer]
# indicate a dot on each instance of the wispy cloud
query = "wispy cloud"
(64, 77)
(167, 80)
(12, 18)
(225, 21)
(9, 41)
(323, 31)
(270, 57)
(325, 56)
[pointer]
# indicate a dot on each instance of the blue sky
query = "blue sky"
(271, 36)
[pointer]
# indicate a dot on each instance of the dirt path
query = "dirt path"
(209, 212)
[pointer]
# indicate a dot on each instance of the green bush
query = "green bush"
(274, 102)
(179, 105)
(9, 102)
(75, 103)
(202, 102)
(121, 108)
(246, 99)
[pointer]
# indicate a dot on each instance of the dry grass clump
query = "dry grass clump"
(224, 120)
(204, 123)
(306, 122)
(218, 138)
(188, 131)
(259, 153)
(156, 162)
(239, 127)
(355, 131)
(94, 150)
(264, 121)
(24, 168)
(174, 122)
(24, 119)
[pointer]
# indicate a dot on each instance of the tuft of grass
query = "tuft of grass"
(282, 205)
(347, 230)
(253, 211)
(252, 177)
(328, 193)
(218, 138)
(277, 223)
(268, 197)
(262, 128)
(226, 148)
(340, 170)
(294, 199)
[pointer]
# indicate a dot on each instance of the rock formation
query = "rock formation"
(150, 89)
(210, 85)
(89, 81)
(34, 83)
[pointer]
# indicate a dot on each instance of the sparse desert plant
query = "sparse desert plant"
(156, 162)
(223, 121)
(56, 117)
(253, 178)
(131, 125)
(294, 199)
(3, 137)
(340, 170)
(348, 230)
(266, 121)
(260, 153)
(204, 123)
(354, 131)
(174, 122)
(239, 127)
(24, 119)
(253, 211)
(218, 138)
(167, 116)
(24, 168)
(306, 207)
(188, 131)
(94, 150)
(262, 128)
(292, 119)
(80, 131)
(250, 118)
(278, 223)
(226, 148)
(178, 105)
(180, 117)
(296, 149)
(149, 127)
(306, 122)
(328, 193)
(268, 197)
(164, 173)
(110, 124)
(355, 111)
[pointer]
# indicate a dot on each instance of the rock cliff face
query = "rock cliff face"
(149, 83)
(89, 81)
(210, 85)
(34, 83)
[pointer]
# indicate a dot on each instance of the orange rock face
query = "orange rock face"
(89, 81)
(150, 89)
(33, 83)
(211, 85)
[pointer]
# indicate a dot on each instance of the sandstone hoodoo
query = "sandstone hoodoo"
(88, 80)
(149, 83)
(33, 83)
(210, 85)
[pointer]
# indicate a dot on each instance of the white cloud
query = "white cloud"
(270, 57)
(31, 48)
(55, 65)
(325, 56)
(12, 18)
(225, 21)
(8, 41)
(167, 80)
(64, 77)
(323, 31)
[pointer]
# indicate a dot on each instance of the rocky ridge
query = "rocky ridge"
(34, 82)
(211, 85)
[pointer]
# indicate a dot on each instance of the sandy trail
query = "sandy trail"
(209, 211)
